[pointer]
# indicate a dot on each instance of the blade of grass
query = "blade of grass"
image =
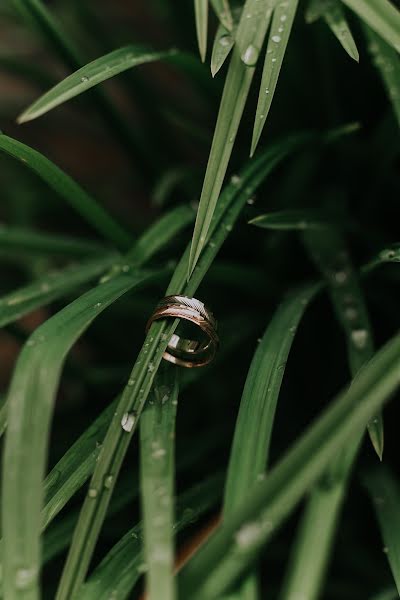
(157, 475)
(333, 14)
(30, 403)
(387, 62)
(382, 16)
(251, 442)
(249, 39)
(99, 70)
(236, 544)
(134, 396)
(161, 233)
(50, 287)
(307, 569)
(281, 26)
(201, 17)
(68, 189)
(223, 12)
(124, 564)
(27, 241)
(329, 253)
(292, 220)
(384, 490)
(37, 15)
(223, 43)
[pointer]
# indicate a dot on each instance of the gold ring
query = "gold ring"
(188, 352)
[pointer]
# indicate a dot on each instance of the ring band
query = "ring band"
(185, 352)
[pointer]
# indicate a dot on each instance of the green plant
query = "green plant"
(87, 512)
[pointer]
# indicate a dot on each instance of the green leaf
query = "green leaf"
(250, 35)
(99, 70)
(381, 16)
(384, 490)
(157, 474)
(27, 241)
(68, 189)
(124, 564)
(387, 62)
(255, 420)
(329, 253)
(30, 405)
(236, 544)
(134, 396)
(201, 15)
(24, 300)
(334, 16)
(297, 220)
(281, 26)
(223, 12)
(223, 43)
(159, 234)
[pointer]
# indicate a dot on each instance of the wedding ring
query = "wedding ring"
(182, 351)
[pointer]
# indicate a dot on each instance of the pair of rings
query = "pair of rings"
(183, 351)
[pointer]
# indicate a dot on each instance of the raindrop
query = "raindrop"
(92, 493)
(108, 481)
(131, 382)
(248, 535)
(340, 277)
(235, 179)
(251, 201)
(158, 453)
(127, 422)
(276, 39)
(250, 55)
(283, 18)
(84, 79)
(24, 578)
(125, 268)
(359, 337)
(225, 40)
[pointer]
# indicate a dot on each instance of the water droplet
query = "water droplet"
(92, 493)
(250, 55)
(44, 287)
(283, 18)
(276, 39)
(150, 368)
(225, 40)
(273, 60)
(235, 179)
(251, 201)
(350, 313)
(158, 453)
(359, 338)
(385, 549)
(84, 79)
(24, 578)
(248, 535)
(125, 268)
(108, 481)
(97, 305)
(30, 342)
(340, 277)
(127, 422)
(131, 382)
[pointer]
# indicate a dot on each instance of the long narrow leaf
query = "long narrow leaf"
(249, 39)
(333, 14)
(382, 16)
(157, 474)
(238, 541)
(99, 70)
(384, 490)
(387, 61)
(68, 189)
(279, 34)
(223, 12)
(30, 406)
(201, 15)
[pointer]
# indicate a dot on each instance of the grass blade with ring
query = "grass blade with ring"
(135, 393)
